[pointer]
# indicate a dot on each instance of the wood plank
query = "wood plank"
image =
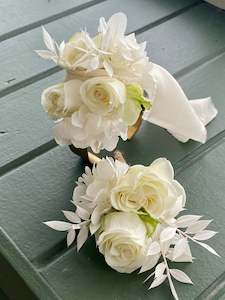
(51, 193)
(17, 66)
(12, 284)
(197, 35)
(29, 130)
(25, 14)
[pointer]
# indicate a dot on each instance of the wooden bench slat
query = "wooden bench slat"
(189, 39)
(25, 14)
(41, 190)
(24, 125)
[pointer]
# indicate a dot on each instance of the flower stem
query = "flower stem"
(119, 156)
(181, 232)
(186, 235)
(149, 276)
(170, 279)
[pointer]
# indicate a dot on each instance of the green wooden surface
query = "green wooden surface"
(37, 177)
(14, 285)
(20, 16)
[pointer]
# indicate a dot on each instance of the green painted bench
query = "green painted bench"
(37, 177)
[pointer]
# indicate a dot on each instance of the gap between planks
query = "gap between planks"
(167, 18)
(215, 290)
(199, 152)
(200, 63)
(13, 88)
(49, 19)
(27, 157)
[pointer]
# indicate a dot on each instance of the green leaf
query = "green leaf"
(150, 223)
(134, 91)
(136, 94)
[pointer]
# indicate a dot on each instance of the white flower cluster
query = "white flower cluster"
(103, 92)
(132, 211)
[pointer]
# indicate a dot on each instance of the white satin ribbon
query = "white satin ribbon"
(173, 111)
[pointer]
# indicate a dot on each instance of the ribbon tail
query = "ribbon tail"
(172, 110)
(205, 109)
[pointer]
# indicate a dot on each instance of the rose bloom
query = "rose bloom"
(123, 241)
(151, 188)
(99, 120)
(93, 112)
(62, 99)
(74, 49)
(104, 95)
(52, 100)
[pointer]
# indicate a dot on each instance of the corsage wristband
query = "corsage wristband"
(110, 82)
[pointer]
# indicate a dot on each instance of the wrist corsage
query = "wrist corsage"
(133, 214)
(110, 86)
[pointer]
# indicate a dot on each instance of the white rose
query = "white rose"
(74, 49)
(78, 53)
(123, 241)
(62, 99)
(98, 112)
(151, 188)
(52, 100)
(104, 95)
